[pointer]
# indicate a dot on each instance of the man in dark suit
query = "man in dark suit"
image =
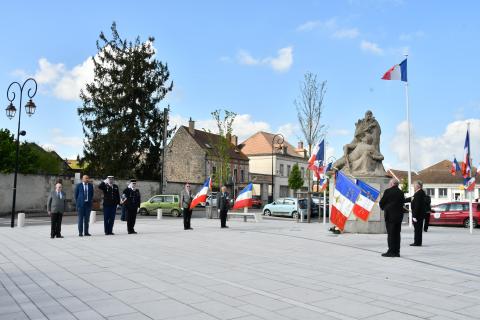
(56, 204)
(132, 201)
(419, 209)
(186, 198)
(111, 199)
(223, 201)
(392, 203)
(83, 200)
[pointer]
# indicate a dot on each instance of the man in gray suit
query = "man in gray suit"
(56, 207)
(186, 198)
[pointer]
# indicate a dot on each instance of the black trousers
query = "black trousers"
(131, 218)
(418, 231)
(187, 216)
(223, 218)
(393, 238)
(56, 222)
(427, 222)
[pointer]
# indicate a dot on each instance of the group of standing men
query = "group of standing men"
(83, 195)
(392, 203)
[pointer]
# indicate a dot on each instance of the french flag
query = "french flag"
(397, 72)
(345, 195)
(317, 158)
(366, 200)
(244, 199)
(469, 184)
(466, 157)
(455, 167)
(202, 194)
(322, 184)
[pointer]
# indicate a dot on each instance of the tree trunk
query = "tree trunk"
(309, 195)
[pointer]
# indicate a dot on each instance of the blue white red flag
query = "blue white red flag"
(202, 194)
(397, 72)
(366, 200)
(317, 158)
(466, 157)
(345, 195)
(244, 199)
(455, 167)
(469, 184)
(322, 184)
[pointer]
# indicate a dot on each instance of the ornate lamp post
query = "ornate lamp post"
(10, 111)
(279, 139)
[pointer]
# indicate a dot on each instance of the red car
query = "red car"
(454, 213)
(257, 202)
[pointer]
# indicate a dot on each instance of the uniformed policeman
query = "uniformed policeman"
(111, 198)
(132, 202)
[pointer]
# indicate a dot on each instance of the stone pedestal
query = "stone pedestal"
(376, 220)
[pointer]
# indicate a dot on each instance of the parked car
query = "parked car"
(454, 213)
(170, 204)
(302, 205)
(282, 207)
(212, 199)
(256, 202)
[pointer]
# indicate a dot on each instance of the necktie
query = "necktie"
(59, 195)
(85, 192)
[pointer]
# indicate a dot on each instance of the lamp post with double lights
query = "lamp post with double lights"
(10, 111)
(279, 139)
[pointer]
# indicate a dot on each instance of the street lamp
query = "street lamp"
(10, 111)
(279, 139)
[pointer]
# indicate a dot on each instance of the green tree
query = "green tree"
(7, 151)
(295, 180)
(404, 186)
(121, 120)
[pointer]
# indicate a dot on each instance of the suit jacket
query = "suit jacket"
(392, 203)
(111, 194)
(223, 201)
(419, 204)
(80, 197)
(55, 204)
(186, 199)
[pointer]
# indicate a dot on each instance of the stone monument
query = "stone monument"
(362, 160)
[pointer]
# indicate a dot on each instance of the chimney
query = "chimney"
(284, 149)
(300, 145)
(234, 140)
(191, 126)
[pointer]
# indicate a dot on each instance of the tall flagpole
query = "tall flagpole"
(324, 177)
(409, 150)
(470, 209)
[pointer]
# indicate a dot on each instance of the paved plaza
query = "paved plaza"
(275, 270)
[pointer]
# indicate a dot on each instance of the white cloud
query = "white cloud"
(58, 137)
(309, 25)
(371, 47)
(281, 63)
(340, 132)
(351, 33)
(412, 36)
(426, 151)
(290, 131)
(48, 72)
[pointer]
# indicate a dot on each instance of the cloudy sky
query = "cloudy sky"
(250, 57)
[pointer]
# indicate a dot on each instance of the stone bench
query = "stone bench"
(255, 215)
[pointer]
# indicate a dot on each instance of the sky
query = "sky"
(250, 57)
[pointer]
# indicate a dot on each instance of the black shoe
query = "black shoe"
(59, 236)
(51, 237)
(425, 230)
(112, 234)
(80, 235)
(415, 245)
(224, 227)
(87, 234)
(132, 232)
(190, 228)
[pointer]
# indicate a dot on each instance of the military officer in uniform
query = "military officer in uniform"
(223, 206)
(111, 199)
(132, 202)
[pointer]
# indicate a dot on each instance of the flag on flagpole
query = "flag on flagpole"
(322, 184)
(455, 167)
(245, 198)
(202, 194)
(366, 200)
(345, 195)
(317, 158)
(469, 184)
(397, 72)
(466, 157)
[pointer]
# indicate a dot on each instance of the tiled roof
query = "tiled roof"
(261, 143)
(400, 174)
(208, 141)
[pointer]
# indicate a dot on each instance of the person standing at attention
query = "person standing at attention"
(83, 200)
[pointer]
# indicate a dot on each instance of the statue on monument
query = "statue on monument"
(362, 156)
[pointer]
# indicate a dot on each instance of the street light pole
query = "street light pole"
(11, 110)
(279, 137)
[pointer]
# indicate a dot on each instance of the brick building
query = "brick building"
(190, 158)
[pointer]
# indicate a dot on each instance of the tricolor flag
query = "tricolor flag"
(466, 157)
(469, 184)
(322, 184)
(318, 157)
(397, 72)
(244, 198)
(366, 200)
(202, 194)
(455, 166)
(345, 195)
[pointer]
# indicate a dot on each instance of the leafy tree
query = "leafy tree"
(404, 186)
(295, 180)
(121, 121)
(7, 151)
